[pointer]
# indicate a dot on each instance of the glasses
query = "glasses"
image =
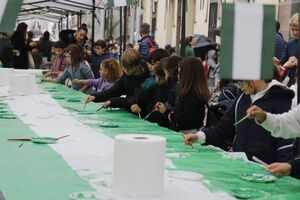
(97, 48)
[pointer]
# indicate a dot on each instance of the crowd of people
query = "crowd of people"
(177, 92)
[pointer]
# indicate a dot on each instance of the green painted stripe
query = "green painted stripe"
(10, 15)
(268, 43)
(34, 171)
(227, 41)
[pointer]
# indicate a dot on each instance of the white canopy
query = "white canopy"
(53, 10)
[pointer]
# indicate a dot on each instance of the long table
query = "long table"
(83, 161)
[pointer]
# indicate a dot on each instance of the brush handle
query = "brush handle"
(62, 137)
(20, 139)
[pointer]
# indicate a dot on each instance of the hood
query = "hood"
(276, 89)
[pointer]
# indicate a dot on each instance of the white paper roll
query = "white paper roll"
(6, 75)
(138, 169)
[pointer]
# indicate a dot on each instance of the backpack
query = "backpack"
(213, 115)
(153, 45)
(215, 112)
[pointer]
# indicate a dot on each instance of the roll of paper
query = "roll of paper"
(138, 169)
(6, 75)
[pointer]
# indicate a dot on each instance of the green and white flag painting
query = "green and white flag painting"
(248, 41)
(9, 10)
(119, 3)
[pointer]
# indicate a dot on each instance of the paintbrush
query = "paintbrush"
(99, 109)
(241, 120)
(84, 106)
(184, 139)
(71, 108)
(149, 114)
(259, 161)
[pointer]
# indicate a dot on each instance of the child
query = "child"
(76, 70)
(98, 55)
(147, 42)
(191, 96)
(152, 60)
(110, 71)
(170, 67)
(135, 72)
(59, 61)
(145, 102)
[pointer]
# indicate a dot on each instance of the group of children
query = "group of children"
(173, 92)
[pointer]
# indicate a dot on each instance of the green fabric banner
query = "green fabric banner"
(9, 10)
(248, 41)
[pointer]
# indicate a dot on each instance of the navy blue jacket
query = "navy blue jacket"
(291, 49)
(280, 45)
(96, 60)
(295, 163)
(144, 46)
(248, 136)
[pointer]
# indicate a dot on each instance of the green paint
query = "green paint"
(86, 113)
(53, 90)
(7, 116)
(73, 100)
(43, 140)
(34, 171)
(259, 178)
(249, 193)
(58, 97)
(222, 173)
(107, 124)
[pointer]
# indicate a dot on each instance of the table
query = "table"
(83, 161)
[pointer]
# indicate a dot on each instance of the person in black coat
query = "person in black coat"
(248, 136)
(135, 73)
(145, 101)
(18, 39)
(192, 93)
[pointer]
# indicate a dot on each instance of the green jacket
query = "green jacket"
(189, 51)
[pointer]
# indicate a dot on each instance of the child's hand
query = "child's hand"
(106, 104)
(160, 107)
(190, 138)
(45, 72)
(135, 109)
(292, 62)
(44, 79)
(76, 81)
(279, 169)
(257, 113)
(89, 99)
